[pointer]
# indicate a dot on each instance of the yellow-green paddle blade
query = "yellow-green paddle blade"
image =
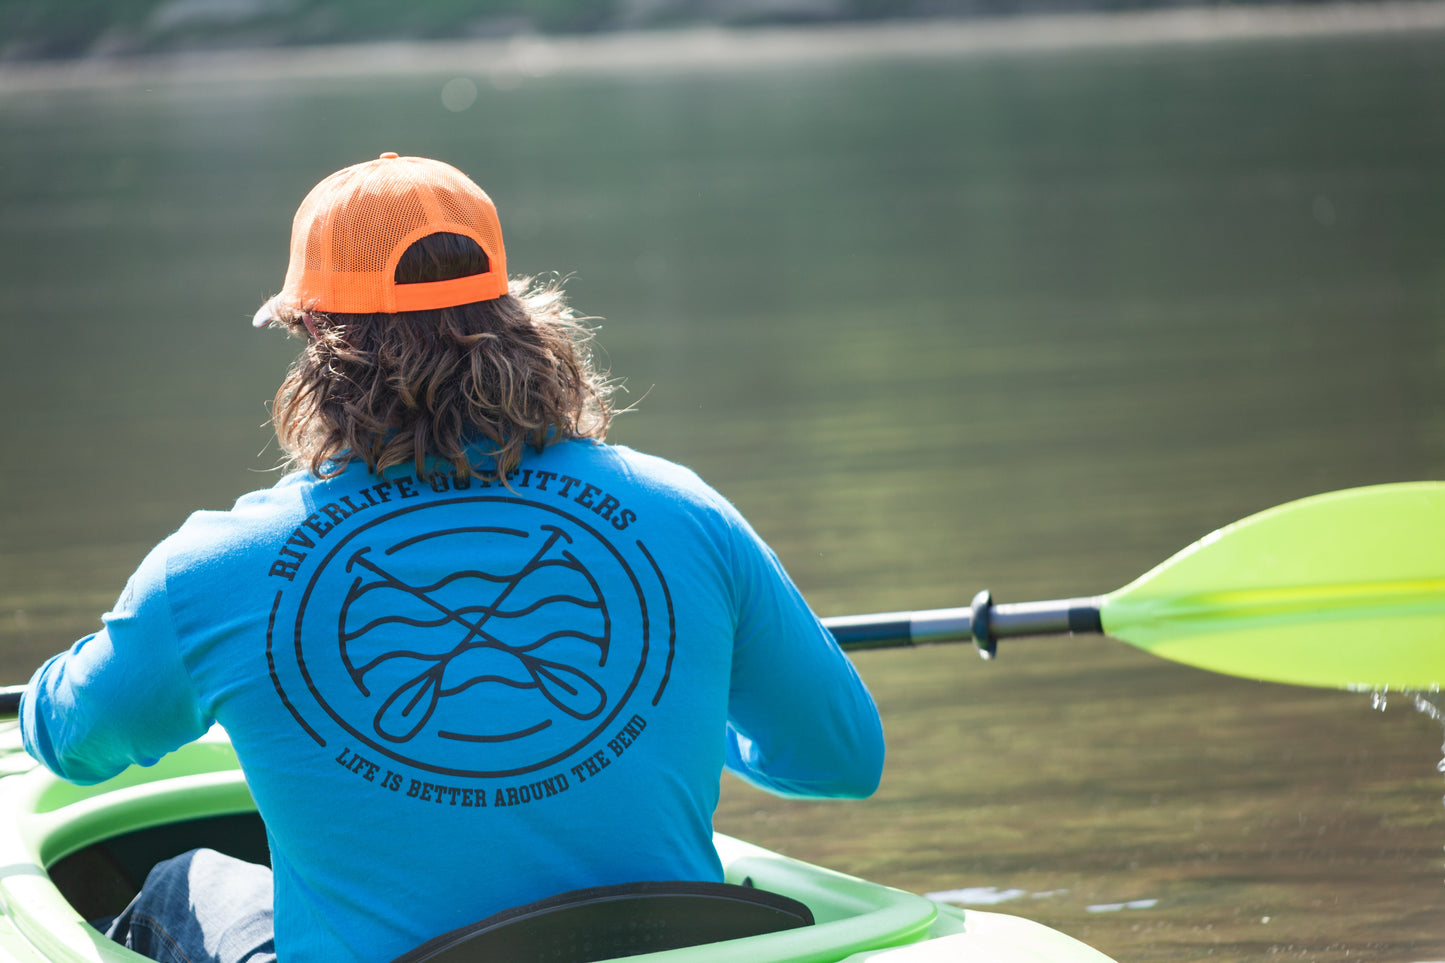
(1339, 590)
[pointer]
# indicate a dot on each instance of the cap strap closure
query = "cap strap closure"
(430, 295)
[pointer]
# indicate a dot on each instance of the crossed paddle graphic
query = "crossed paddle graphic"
(406, 711)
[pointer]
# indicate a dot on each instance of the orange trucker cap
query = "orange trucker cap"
(354, 226)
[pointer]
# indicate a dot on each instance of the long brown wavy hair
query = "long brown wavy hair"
(494, 377)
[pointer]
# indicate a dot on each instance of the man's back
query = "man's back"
(453, 696)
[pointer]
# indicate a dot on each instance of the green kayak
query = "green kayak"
(68, 853)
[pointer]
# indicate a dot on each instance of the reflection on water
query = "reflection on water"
(1029, 322)
(976, 896)
(1116, 907)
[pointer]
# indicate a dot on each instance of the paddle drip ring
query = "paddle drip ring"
(980, 624)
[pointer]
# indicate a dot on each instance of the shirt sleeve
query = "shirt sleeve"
(801, 721)
(116, 698)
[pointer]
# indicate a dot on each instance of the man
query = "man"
(469, 655)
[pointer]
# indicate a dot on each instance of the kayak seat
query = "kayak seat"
(604, 922)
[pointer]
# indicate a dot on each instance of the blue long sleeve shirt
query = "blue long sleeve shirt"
(451, 696)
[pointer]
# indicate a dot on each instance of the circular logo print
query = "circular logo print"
(475, 649)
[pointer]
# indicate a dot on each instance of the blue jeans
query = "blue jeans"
(201, 907)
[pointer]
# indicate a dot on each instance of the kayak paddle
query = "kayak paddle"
(1343, 590)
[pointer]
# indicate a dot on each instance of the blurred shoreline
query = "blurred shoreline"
(511, 61)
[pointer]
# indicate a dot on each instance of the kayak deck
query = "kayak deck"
(53, 867)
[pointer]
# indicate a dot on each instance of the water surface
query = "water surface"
(1027, 321)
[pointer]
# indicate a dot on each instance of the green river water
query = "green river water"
(1027, 320)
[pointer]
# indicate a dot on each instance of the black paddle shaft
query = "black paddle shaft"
(983, 622)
